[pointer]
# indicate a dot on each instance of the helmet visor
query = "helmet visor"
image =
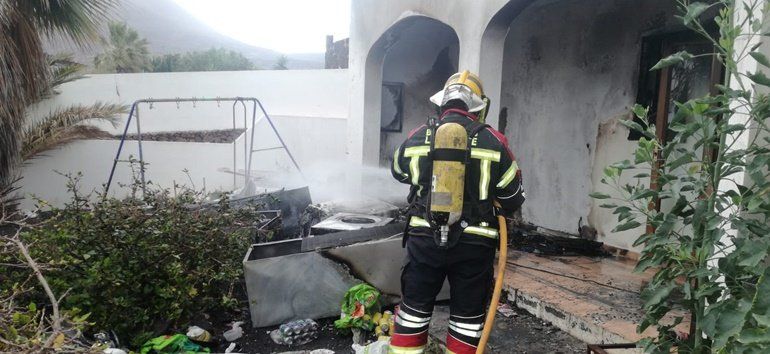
(459, 92)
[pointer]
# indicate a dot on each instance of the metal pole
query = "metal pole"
(141, 153)
(279, 138)
(245, 148)
(235, 183)
(120, 148)
(251, 142)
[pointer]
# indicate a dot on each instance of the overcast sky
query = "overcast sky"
(288, 26)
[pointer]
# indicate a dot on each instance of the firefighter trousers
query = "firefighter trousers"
(469, 269)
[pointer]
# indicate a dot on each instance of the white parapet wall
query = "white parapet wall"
(308, 107)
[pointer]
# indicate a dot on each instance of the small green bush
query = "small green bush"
(140, 265)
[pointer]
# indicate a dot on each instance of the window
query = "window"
(678, 83)
(661, 89)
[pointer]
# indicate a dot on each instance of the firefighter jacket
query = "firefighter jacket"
(491, 174)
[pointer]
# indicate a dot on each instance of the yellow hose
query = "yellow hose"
(501, 262)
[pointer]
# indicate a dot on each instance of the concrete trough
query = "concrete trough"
(308, 278)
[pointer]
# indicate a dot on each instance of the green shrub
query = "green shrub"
(139, 266)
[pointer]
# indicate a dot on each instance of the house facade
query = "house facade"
(561, 75)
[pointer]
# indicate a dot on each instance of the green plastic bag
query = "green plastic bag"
(360, 303)
(178, 343)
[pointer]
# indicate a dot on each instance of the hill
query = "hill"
(170, 29)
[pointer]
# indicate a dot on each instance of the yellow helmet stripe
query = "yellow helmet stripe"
(467, 79)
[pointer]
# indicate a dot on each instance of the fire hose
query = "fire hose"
(498, 289)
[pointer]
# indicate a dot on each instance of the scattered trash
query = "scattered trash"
(317, 351)
(234, 333)
(359, 336)
(103, 339)
(114, 351)
(295, 332)
(378, 347)
(230, 348)
(172, 344)
(506, 310)
(360, 303)
(198, 334)
(382, 322)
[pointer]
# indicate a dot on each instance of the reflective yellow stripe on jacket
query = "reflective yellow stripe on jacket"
(396, 166)
(416, 221)
(509, 175)
(415, 152)
(482, 231)
(487, 157)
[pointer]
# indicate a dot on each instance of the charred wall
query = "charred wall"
(568, 69)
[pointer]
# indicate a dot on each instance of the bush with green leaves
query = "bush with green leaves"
(709, 244)
(142, 265)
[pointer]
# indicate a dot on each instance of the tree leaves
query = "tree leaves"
(640, 111)
(627, 226)
(760, 78)
(673, 59)
(715, 196)
(760, 58)
(654, 294)
(725, 319)
(693, 11)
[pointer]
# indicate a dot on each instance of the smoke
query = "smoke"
(335, 180)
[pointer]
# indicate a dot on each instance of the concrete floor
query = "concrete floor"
(596, 300)
(520, 333)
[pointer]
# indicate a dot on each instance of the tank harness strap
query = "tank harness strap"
(449, 155)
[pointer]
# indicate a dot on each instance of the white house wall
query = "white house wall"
(563, 70)
(560, 84)
(308, 107)
(370, 19)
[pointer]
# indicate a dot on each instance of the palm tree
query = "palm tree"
(280, 63)
(125, 51)
(24, 69)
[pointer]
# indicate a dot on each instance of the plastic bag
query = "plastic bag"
(378, 347)
(178, 343)
(360, 303)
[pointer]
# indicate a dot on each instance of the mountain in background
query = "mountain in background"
(170, 29)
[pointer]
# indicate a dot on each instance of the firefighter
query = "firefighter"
(465, 254)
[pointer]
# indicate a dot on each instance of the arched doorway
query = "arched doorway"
(415, 56)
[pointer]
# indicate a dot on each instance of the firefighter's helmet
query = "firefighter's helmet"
(464, 86)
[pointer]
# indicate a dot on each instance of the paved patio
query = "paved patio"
(595, 300)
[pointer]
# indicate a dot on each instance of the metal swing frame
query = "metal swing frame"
(248, 148)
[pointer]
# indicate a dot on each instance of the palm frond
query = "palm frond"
(65, 125)
(64, 69)
(9, 199)
(78, 20)
(22, 77)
